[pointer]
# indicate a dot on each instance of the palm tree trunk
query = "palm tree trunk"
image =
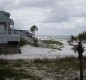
(81, 67)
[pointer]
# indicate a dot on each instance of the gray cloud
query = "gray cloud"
(18, 4)
(52, 16)
(37, 3)
(64, 9)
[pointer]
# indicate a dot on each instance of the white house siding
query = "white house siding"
(3, 38)
(2, 28)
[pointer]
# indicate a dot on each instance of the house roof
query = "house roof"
(4, 17)
(5, 13)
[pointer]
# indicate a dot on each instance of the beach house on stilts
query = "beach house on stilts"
(7, 34)
(9, 40)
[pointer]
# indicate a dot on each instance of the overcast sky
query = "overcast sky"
(53, 17)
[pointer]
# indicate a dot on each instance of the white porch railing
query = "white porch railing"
(4, 38)
(13, 37)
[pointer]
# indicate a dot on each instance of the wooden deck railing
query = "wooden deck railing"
(4, 38)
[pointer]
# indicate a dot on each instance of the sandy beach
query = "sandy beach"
(30, 52)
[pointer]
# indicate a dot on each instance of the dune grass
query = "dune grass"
(52, 42)
(38, 69)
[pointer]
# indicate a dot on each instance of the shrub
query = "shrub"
(19, 63)
(22, 41)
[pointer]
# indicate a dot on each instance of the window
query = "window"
(2, 28)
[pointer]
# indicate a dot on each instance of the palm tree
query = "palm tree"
(73, 38)
(33, 29)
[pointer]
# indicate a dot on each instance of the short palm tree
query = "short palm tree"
(33, 29)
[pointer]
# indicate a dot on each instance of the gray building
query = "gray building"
(7, 29)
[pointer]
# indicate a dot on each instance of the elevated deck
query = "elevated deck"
(5, 38)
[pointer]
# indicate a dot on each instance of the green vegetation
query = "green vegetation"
(61, 63)
(15, 70)
(22, 41)
(18, 63)
(52, 42)
(45, 60)
(73, 38)
(7, 71)
(38, 69)
(35, 42)
(33, 29)
(81, 36)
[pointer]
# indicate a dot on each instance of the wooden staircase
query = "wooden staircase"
(28, 39)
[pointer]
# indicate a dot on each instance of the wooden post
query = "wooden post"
(80, 50)
(81, 67)
(6, 32)
(5, 51)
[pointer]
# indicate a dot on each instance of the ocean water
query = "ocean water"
(53, 37)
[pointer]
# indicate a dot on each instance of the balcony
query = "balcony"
(5, 38)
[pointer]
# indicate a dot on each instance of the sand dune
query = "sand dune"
(29, 52)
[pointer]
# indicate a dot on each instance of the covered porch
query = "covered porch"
(7, 33)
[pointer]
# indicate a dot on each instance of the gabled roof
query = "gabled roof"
(5, 13)
(4, 16)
